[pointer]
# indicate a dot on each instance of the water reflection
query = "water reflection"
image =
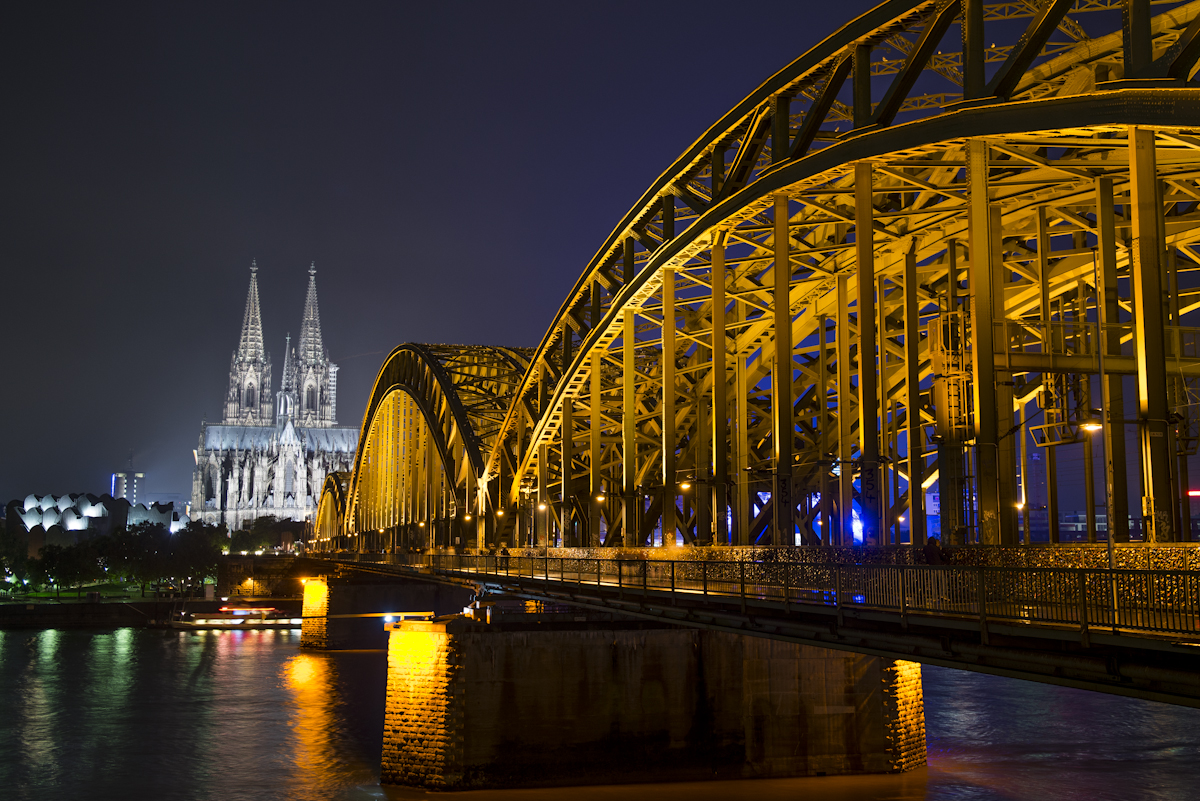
(318, 733)
(132, 714)
(196, 715)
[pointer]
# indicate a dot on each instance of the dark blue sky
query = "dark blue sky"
(450, 168)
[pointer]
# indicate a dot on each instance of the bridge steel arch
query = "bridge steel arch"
(951, 186)
(433, 414)
(329, 524)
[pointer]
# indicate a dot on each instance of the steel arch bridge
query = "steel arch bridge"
(949, 187)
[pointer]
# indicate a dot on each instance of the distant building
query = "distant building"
(270, 457)
(126, 485)
(67, 519)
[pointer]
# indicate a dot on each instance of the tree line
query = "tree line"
(142, 554)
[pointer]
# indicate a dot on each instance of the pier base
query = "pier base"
(344, 613)
(471, 705)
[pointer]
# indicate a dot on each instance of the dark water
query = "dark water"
(135, 714)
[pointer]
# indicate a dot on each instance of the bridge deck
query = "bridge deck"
(1131, 632)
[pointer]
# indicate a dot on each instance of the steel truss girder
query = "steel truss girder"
(1045, 150)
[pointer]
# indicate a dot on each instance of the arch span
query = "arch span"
(433, 414)
(876, 275)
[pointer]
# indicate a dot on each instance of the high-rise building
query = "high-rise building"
(271, 456)
(126, 485)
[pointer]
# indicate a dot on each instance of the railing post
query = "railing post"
(645, 571)
(1081, 582)
(704, 577)
(837, 591)
(983, 632)
(742, 582)
(903, 600)
(785, 587)
(620, 585)
(672, 581)
(598, 571)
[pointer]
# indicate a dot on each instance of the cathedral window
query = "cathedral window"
(250, 397)
(289, 478)
(310, 399)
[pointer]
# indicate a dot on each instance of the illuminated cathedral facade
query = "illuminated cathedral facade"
(271, 453)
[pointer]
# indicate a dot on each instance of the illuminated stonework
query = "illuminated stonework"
(314, 631)
(271, 456)
(471, 705)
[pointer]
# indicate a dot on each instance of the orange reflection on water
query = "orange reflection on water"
(311, 678)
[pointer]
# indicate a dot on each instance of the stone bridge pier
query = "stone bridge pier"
(530, 700)
(343, 612)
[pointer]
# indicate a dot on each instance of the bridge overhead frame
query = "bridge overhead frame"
(879, 271)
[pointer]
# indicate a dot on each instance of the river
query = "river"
(143, 714)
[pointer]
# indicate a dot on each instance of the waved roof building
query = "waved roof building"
(270, 455)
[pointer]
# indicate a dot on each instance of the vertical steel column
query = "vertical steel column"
(987, 476)
(951, 484)
(973, 49)
(1006, 455)
(567, 510)
(780, 127)
(1116, 487)
(912, 404)
(542, 525)
(784, 434)
(845, 398)
(886, 428)
(429, 453)
(595, 424)
(742, 427)
(823, 431)
(720, 401)
(1050, 453)
(668, 408)
(632, 501)
(1177, 399)
(1025, 505)
(862, 85)
(1136, 37)
(1149, 336)
(868, 381)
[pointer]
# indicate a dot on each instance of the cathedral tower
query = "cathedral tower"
(313, 379)
(248, 401)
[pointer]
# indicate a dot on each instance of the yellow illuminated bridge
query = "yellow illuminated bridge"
(927, 252)
(945, 244)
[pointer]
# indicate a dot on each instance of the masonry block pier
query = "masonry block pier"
(511, 704)
(343, 612)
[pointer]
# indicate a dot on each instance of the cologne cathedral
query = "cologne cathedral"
(270, 455)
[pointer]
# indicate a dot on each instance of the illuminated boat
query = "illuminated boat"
(237, 617)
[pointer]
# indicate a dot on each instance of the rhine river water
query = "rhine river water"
(143, 714)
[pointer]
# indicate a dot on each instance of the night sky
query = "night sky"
(450, 168)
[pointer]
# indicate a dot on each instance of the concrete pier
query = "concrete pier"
(471, 705)
(344, 612)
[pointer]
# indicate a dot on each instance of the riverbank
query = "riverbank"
(71, 614)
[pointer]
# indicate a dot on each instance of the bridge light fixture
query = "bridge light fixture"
(466, 517)
(541, 507)
(1091, 425)
(685, 486)
(421, 524)
(499, 513)
(600, 498)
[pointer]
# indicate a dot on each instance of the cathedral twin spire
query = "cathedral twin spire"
(251, 349)
(308, 389)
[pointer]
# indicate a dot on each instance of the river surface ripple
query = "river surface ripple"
(133, 714)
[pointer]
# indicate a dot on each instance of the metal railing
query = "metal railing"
(1151, 601)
